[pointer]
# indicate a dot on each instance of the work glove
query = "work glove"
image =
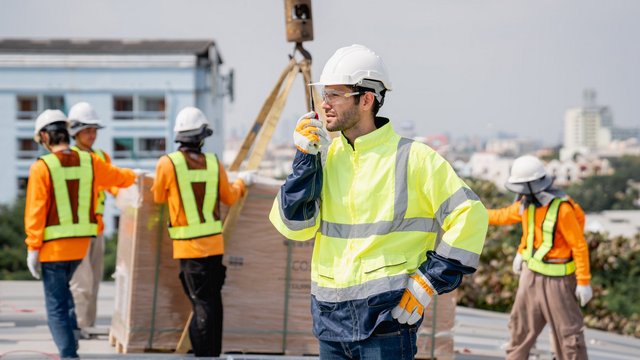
(139, 172)
(128, 197)
(33, 262)
(248, 177)
(517, 264)
(415, 299)
(310, 134)
(584, 294)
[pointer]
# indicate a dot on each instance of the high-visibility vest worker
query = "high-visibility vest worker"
(552, 261)
(193, 184)
(82, 223)
(60, 219)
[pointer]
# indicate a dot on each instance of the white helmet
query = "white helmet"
(190, 118)
(528, 176)
(47, 117)
(82, 116)
(354, 65)
(191, 125)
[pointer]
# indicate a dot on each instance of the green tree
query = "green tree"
(609, 192)
(13, 265)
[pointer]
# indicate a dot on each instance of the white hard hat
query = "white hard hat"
(82, 116)
(528, 176)
(190, 118)
(47, 117)
(354, 65)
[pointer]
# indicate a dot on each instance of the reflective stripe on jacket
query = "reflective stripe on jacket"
(77, 221)
(377, 211)
(535, 258)
(568, 235)
(200, 220)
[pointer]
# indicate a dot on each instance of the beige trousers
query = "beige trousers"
(86, 281)
(542, 300)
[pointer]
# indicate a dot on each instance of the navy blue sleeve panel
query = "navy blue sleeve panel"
(444, 274)
(302, 188)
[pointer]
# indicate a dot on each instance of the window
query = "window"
(151, 147)
(147, 107)
(152, 107)
(22, 185)
(29, 106)
(53, 102)
(141, 148)
(123, 107)
(123, 148)
(27, 148)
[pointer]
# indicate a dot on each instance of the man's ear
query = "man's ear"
(367, 100)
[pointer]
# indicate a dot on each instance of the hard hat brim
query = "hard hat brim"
(535, 187)
(73, 131)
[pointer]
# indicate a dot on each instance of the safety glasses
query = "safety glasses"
(331, 96)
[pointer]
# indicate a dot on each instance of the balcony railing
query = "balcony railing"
(139, 115)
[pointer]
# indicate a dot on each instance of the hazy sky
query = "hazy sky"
(462, 67)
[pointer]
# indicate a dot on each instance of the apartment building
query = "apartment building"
(136, 87)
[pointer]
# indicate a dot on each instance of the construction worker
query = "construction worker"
(556, 263)
(393, 224)
(60, 220)
(194, 183)
(83, 126)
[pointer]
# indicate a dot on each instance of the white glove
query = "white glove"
(584, 294)
(517, 264)
(33, 262)
(128, 197)
(248, 177)
(139, 172)
(310, 134)
(415, 299)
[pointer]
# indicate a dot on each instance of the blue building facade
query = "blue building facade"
(136, 87)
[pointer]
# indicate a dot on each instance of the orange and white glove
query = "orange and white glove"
(415, 299)
(310, 135)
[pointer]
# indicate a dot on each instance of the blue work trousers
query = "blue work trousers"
(397, 345)
(59, 303)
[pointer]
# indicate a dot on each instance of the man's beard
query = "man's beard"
(345, 120)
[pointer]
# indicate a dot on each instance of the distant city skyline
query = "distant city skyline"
(464, 69)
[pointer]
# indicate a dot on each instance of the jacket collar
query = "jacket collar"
(382, 135)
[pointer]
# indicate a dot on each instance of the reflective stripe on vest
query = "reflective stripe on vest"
(59, 177)
(186, 177)
(101, 195)
(535, 257)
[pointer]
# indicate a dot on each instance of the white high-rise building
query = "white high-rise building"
(136, 88)
(586, 129)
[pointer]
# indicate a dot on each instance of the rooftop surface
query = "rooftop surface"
(478, 334)
(87, 46)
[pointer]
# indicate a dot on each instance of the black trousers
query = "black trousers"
(202, 280)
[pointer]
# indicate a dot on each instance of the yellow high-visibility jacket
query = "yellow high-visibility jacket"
(377, 210)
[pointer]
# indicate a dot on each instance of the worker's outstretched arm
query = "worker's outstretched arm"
(107, 175)
(296, 209)
(229, 192)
